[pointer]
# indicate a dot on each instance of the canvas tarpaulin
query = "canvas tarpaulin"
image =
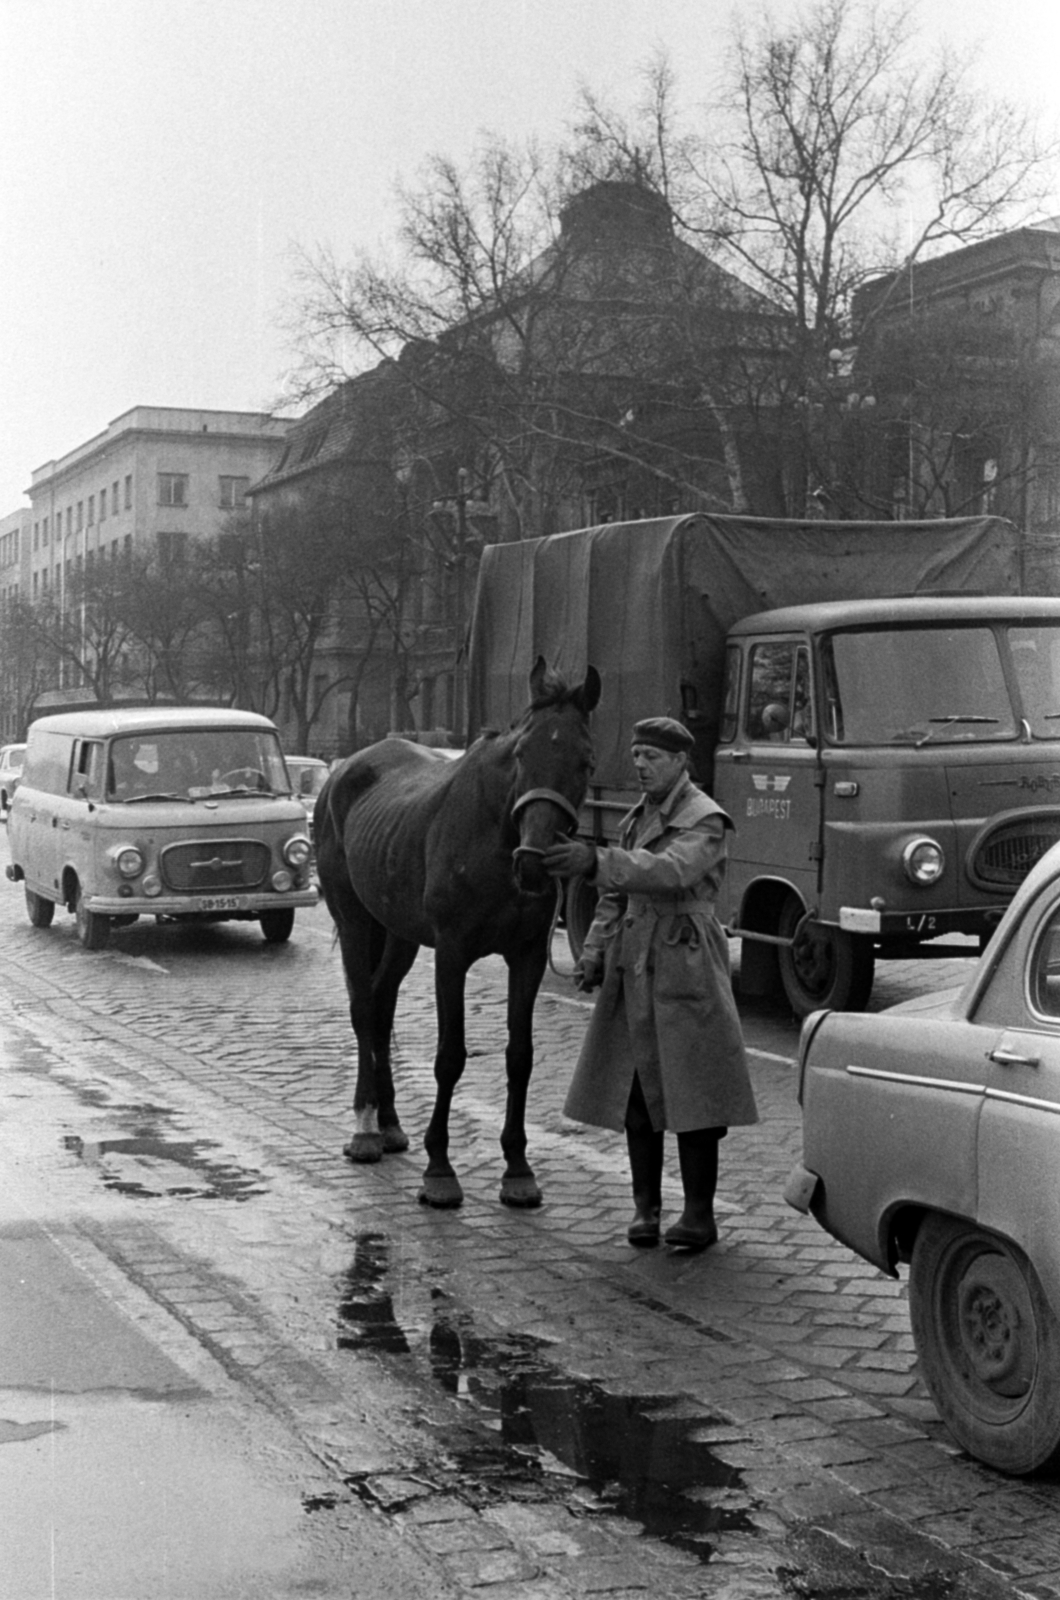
(649, 604)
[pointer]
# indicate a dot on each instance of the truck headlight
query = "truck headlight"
(297, 851)
(924, 861)
(129, 861)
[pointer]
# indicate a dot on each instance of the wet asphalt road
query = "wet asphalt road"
(525, 1406)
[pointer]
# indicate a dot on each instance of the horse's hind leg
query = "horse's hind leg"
(519, 1187)
(398, 956)
(361, 941)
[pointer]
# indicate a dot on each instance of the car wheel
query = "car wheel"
(988, 1342)
(276, 925)
(823, 967)
(578, 910)
(92, 929)
(39, 910)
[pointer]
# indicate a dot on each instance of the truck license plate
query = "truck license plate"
(223, 902)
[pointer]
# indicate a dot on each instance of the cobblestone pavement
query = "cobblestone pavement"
(178, 1073)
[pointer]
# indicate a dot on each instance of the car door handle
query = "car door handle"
(1009, 1058)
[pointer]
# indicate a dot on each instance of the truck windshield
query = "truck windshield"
(195, 763)
(916, 686)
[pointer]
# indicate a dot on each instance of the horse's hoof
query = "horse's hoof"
(444, 1193)
(365, 1147)
(395, 1139)
(522, 1192)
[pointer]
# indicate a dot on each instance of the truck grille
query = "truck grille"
(215, 864)
(1005, 857)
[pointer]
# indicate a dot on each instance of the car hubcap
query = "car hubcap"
(996, 1323)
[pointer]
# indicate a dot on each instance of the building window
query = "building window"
(91, 510)
(233, 493)
(172, 547)
(114, 550)
(114, 497)
(172, 488)
(69, 521)
(128, 544)
(36, 535)
(103, 505)
(80, 515)
(128, 491)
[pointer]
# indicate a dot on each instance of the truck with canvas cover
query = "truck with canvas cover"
(876, 706)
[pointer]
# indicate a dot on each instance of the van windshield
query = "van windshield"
(916, 686)
(195, 763)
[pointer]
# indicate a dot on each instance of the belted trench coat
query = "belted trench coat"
(666, 1009)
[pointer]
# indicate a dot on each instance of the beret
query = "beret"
(665, 733)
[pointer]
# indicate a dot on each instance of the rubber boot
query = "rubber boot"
(645, 1165)
(697, 1152)
(645, 1148)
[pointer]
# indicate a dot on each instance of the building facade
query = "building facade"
(961, 354)
(156, 474)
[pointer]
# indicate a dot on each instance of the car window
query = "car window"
(1045, 969)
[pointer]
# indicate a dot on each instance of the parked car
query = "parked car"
(11, 759)
(308, 776)
(180, 812)
(931, 1135)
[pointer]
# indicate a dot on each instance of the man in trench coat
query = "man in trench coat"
(664, 1049)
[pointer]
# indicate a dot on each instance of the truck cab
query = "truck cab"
(893, 771)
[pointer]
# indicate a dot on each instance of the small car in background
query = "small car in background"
(931, 1135)
(181, 813)
(12, 757)
(308, 776)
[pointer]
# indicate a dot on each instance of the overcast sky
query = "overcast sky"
(160, 158)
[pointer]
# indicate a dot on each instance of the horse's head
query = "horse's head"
(553, 760)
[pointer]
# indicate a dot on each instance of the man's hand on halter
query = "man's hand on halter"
(570, 858)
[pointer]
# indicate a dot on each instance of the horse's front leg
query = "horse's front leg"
(519, 1187)
(441, 1186)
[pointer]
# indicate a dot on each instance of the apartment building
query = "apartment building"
(160, 474)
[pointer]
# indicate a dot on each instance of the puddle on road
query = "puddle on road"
(147, 1165)
(533, 1433)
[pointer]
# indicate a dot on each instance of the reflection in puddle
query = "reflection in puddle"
(639, 1459)
(143, 1166)
(532, 1433)
(366, 1308)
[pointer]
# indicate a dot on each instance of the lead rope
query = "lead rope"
(532, 850)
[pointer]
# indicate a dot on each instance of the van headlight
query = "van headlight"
(129, 861)
(924, 861)
(297, 851)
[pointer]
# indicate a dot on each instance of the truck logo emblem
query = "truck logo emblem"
(768, 780)
(1035, 785)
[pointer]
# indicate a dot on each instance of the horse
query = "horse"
(416, 848)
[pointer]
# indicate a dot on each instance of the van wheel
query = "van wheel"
(39, 910)
(988, 1343)
(92, 929)
(578, 910)
(823, 967)
(276, 926)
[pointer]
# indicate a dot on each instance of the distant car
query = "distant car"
(308, 776)
(931, 1134)
(12, 757)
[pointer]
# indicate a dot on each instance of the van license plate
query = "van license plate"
(223, 902)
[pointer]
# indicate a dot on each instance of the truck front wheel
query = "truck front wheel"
(823, 967)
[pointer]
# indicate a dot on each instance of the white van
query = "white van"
(177, 812)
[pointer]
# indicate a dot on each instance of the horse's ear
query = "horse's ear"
(538, 678)
(588, 695)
